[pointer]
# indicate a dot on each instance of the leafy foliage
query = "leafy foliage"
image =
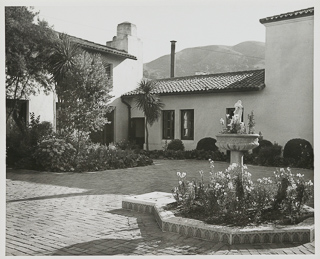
(28, 46)
(83, 95)
(262, 143)
(175, 144)
(150, 103)
(299, 152)
(22, 144)
(231, 197)
(207, 144)
(55, 155)
(99, 157)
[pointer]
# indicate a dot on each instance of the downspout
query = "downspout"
(129, 114)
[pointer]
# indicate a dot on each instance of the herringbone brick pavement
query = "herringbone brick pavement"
(81, 214)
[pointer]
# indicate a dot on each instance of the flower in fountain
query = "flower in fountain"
(235, 125)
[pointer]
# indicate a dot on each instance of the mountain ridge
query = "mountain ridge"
(209, 59)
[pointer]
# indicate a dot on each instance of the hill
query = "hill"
(209, 60)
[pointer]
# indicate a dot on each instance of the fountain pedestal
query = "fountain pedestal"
(237, 144)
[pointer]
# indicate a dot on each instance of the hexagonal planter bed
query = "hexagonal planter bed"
(156, 202)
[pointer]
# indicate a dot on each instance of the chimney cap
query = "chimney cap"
(173, 41)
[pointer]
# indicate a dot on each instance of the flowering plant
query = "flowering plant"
(230, 196)
(234, 127)
(292, 193)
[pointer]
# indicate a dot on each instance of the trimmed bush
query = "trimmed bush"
(262, 143)
(269, 155)
(175, 144)
(207, 144)
(188, 154)
(298, 152)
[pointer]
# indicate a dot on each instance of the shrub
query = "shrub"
(21, 145)
(175, 144)
(127, 145)
(188, 154)
(292, 193)
(231, 197)
(298, 152)
(268, 155)
(207, 144)
(262, 143)
(55, 155)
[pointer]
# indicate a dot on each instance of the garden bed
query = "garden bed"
(157, 202)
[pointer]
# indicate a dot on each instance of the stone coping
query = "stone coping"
(155, 202)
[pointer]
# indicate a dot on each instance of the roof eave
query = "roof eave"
(227, 90)
(108, 51)
(288, 16)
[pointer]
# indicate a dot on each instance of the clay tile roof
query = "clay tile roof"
(101, 48)
(290, 15)
(252, 80)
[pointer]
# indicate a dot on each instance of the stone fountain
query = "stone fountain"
(238, 142)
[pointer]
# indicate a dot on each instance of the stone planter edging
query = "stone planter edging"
(155, 202)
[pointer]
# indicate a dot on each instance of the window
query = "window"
(187, 124)
(168, 125)
(109, 71)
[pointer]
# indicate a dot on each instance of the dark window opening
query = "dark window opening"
(168, 125)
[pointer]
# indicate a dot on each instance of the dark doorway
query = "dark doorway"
(137, 131)
(105, 136)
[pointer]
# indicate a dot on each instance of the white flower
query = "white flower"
(310, 183)
(230, 185)
(228, 115)
(180, 182)
(222, 121)
(201, 173)
(183, 175)
(179, 174)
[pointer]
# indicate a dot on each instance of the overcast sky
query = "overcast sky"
(191, 23)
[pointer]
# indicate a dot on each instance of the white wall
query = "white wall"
(44, 105)
(283, 109)
(288, 97)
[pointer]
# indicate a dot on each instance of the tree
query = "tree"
(82, 87)
(28, 46)
(84, 95)
(149, 103)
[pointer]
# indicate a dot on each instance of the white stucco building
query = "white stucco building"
(122, 58)
(281, 95)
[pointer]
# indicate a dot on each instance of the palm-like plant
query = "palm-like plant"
(150, 103)
(62, 60)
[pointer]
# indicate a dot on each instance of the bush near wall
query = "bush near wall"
(37, 148)
(188, 154)
(21, 143)
(207, 144)
(175, 144)
(90, 157)
(296, 153)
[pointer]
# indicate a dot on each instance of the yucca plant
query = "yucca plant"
(150, 103)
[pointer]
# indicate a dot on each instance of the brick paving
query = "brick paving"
(81, 214)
